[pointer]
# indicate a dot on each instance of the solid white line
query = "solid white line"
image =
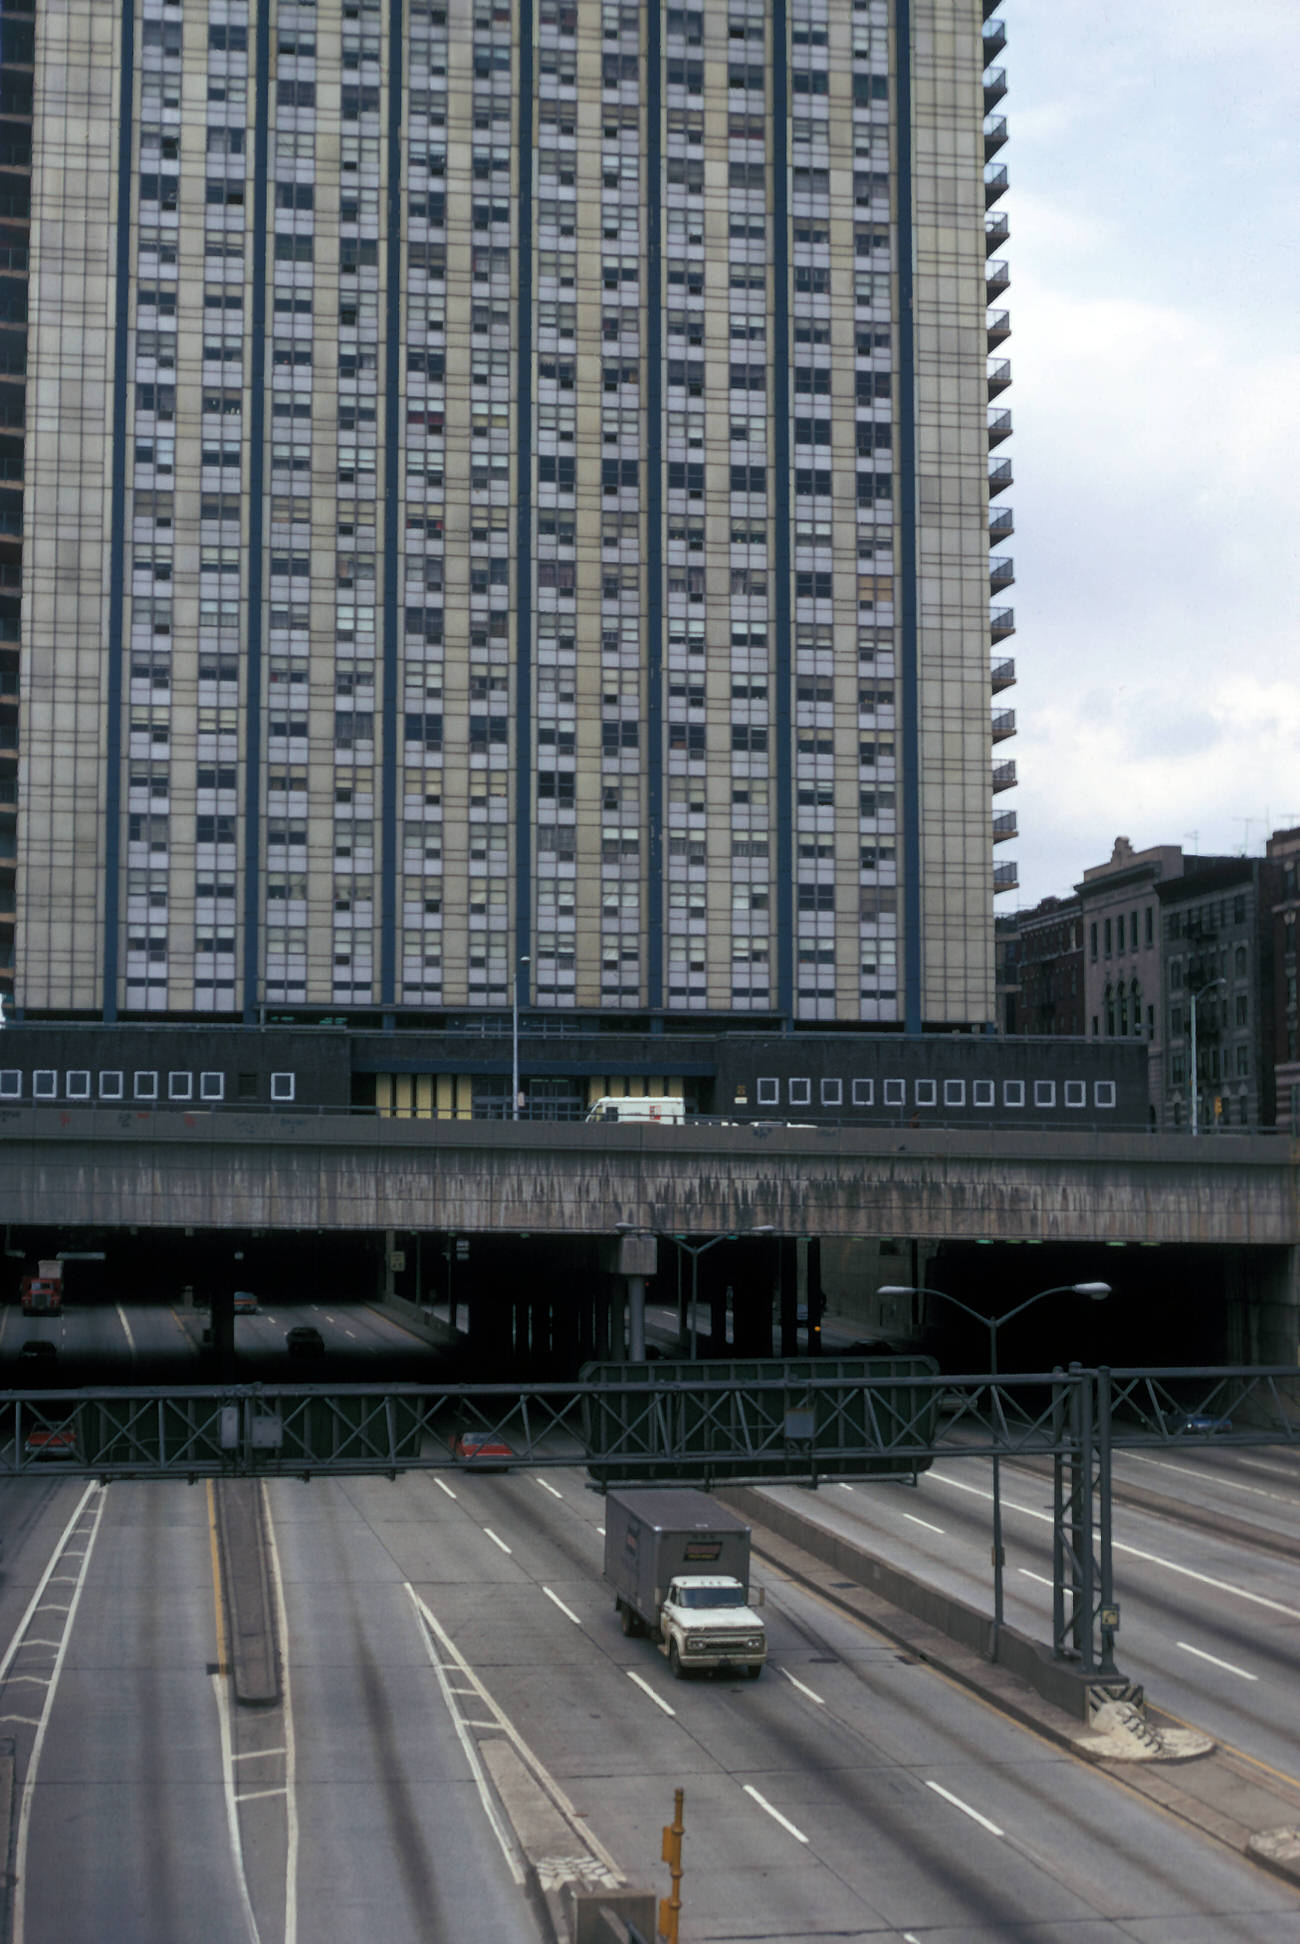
(290, 1738)
(1214, 1660)
(550, 1488)
(38, 1740)
(923, 1522)
(965, 1808)
(1037, 1578)
(56, 1559)
(255, 1795)
(775, 1814)
(256, 1754)
(557, 1601)
(802, 1689)
(232, 1804)
(1205, 1477)
(646, 1688)
(126, 1328)
(1136, 1552)
(463, 1736)
(444, 1488)
(495, 1540)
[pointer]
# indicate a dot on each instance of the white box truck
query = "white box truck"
(679, 1566)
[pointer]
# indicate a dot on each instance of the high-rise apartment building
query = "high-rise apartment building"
(506, 495)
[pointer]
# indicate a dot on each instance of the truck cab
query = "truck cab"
(706, 1622)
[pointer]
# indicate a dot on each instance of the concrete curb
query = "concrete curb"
(557, 1852)
(246, 1583)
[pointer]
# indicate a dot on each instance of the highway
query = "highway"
(849, 1793)
(1208, 1622)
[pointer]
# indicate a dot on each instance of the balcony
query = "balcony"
(1002, 624)
(995, 38)
(999, 428)
(1005, 877)
(1002, 523)
(997, 229)
(995, 86)
(998, 328)
(1004, 826)
(1004, 724)
(999, 376)
(1003, 675)
(1004, 777)
(995, 184)
(1000, 477)
(995, 136)
(997, 278)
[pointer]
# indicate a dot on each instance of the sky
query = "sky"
(1154, 158)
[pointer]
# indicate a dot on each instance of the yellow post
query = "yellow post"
(670, 1908)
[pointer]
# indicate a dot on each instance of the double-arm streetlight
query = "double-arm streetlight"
(695, 1250)
(1097, 1292)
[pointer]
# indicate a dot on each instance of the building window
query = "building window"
(282, 1086)
(1076, 1093)
(1013, 1093)
(144, 1085)
(76, 1085)
(925, 1092)
(110, 1086)
(984, 1094)
(1243, 1062)
(45, 1084)
(1107, 937)
(832, 1093)
(895, 1093)
(180, 1086)
(1103, 1093)
(769, 1093)
(954, 1093)
(212, 1086)
(864, 1093)
(11, 1083)
(1150, 935)
(1044, 1093)
(800, 1093)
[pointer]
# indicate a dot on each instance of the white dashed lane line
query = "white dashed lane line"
(549, 1488)
(444, 1488)
(965, 1808)
(802, 1689)
(646, 1688)
(495, 1540)
(557, 1601)
(775, 1813)
(1214, 1660)
(913, 1520)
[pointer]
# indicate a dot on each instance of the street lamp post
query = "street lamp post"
(695, 1250)
(1097, 1292)
(514, 1042)
(1198, 992)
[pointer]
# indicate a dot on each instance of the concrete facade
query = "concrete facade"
(508, 498)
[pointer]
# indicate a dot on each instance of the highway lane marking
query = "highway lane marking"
(495, 1540)
(646, 1688)
(923, 1522)
(1214, 1660)
(57, 1558)
(775, 1813)
(350, 1333)
(469, 1747)
(844, 1488)
(256, 1795)
(557, 1601)
(444, 1488)
(23, 1721)
(1138, 1552)
(802, 1689)
(19, 1911)
(1204, 1477)
(291, 1826)
(1038, 1578)
(256, 1754)
(32, 1680)
(965, 1808)
(232, 1804)
(126, 1328)
(601, 1531)
(549, 1488)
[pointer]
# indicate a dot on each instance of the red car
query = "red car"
(486, 1450)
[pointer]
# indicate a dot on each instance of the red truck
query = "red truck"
(42, 1294)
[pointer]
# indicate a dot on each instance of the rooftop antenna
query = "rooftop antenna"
(1245, 823)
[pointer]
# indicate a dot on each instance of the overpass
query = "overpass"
(346, 1173)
